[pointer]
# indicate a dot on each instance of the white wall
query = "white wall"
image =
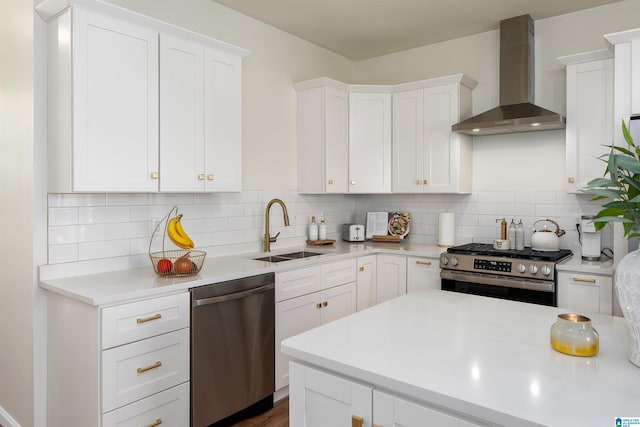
(16, 192)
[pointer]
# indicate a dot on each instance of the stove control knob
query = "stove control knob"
(454, 261)
(445, 260)
(522, 268)
(546, 270)
(533, 269)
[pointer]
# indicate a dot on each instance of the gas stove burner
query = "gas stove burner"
(526, 253)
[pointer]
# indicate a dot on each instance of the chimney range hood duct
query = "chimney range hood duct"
(516, 112)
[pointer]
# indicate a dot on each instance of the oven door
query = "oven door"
(541, 292)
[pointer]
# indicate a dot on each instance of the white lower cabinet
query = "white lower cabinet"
(391, 278)
(121, 365)
(321, 399)
(422, 273)
(366, 282)
(585, 293)
(307, 298)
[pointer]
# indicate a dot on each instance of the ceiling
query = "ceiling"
(360, 29)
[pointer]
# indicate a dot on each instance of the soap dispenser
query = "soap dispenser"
(322, 230)
(313, 229)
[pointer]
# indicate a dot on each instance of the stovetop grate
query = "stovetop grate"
(527, 253)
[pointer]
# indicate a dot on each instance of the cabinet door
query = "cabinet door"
(441, 111)
(223, 127)
(115, 105)
(366, 293)
(392, 277)
(369, 143)
(337, 273)
(389, 410)
(338, 302)
(319, 399)
(585, 293)
(181, 115)
(293, 317)
(336, 131)
(589, 120)
(422, 273)
(408, 142)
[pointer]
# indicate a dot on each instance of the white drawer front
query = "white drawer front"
(291, 284)
(122, 324)
(133, 371)
(169, 408)
(338, 273)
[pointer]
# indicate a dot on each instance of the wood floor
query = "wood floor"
(276, 417)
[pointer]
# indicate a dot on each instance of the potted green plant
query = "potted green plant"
(621, 184)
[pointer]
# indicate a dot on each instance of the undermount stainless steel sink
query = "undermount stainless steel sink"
(288, 257)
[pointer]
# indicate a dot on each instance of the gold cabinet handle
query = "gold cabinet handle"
(361, 268)
(418, 182)
(148, 319)
(324, 304)
(423, 262)
(357, 421)
(571, 180)
(425, 182)
(319, 305)
(156, 423)
(579, 279)
(148, 368)
(353, 182)
(200, 177)
(330, 182)
(154, 175)
(210, 177)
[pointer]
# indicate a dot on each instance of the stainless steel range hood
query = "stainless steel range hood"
(516, 112)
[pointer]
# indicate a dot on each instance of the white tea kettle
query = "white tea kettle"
(546, 240)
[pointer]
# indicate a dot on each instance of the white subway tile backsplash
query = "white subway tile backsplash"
(66, 200)
(66, 234)
(104, 249)
(63, 216)
(118, 199)
(63, 253)
(93, 215)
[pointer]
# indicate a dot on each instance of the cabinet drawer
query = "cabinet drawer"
(291, 284)
(337, 273)
(140, 369)
(127, 323)
(168, 408)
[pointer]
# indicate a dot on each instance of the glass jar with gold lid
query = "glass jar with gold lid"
(573, 334)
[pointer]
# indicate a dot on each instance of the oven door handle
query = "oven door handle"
(490, 279)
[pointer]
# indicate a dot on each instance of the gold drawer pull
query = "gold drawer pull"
(319, 305)
(571, 180)
(361, 268)
(418, 182)
(425, 182)
(210, 177)
(200, 177)
(157, 423)
(155, 175)
(148, 319)
(357, 421)
(578, 279)
(324, 304)
(330, 182)
(423, 262)
(148, 368)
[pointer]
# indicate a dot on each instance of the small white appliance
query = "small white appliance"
(353, 232)
(590, 238)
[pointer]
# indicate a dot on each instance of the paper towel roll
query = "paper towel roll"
(446, 229)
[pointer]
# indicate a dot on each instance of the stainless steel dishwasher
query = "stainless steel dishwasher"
(232, 349)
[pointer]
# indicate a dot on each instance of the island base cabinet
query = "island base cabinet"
(319, 399)
(392, 411)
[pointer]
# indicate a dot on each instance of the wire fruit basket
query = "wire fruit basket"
(174, 262)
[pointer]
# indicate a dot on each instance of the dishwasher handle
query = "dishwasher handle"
(232, 296)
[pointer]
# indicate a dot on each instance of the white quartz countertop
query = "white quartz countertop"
(483, 357)
(114, 287)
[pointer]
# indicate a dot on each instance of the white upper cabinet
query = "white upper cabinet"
(103, 104)
(200, 131)
(369, 142)
(130, 97)
(427, 156)
(589, 115)
(323, 129)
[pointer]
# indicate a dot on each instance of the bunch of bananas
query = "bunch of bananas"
(177, 234)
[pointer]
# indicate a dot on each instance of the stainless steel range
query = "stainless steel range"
(519, 275)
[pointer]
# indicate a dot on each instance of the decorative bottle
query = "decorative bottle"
(322, 230)
(313, 229)
(520, 236)
(511, 235)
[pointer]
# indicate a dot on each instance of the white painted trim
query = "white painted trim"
(623, 36)
(6, 420)
(321, 82)
(579, 58)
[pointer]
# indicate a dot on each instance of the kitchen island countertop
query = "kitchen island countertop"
(487, 358)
